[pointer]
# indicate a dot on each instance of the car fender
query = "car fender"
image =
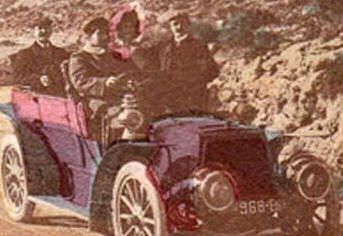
(113, 159)
(40, 168)
(302, 158)
(306, 155)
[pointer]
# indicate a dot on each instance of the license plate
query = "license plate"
(258, 206)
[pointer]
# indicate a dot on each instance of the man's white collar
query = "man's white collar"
(179, 40)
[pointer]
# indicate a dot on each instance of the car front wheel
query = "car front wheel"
(13, 180)
(312, 218)
(313, 208)
(136, 206)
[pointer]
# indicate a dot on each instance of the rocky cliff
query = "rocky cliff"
(282, 57)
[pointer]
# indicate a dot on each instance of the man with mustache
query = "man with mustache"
(38, 66)
(188, 64)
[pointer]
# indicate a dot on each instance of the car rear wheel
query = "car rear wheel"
(136, 206)
(13, 180)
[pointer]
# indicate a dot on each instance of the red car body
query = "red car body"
(211, 175)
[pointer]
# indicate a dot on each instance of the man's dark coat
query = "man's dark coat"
(188, 66)
(31, 63)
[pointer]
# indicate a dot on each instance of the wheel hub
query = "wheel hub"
(314, 181)
(138, 216)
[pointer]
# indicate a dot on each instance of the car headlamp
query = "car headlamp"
(313, 181)
(215, 190)
(132, 119)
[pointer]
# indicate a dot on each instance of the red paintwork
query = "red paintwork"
(24, 105)
(51, 111)
(197, 143)
(185, 145)
(61, 125)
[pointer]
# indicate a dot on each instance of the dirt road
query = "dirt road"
(51, 221)
(47, 221)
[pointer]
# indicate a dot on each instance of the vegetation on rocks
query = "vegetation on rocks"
(282, 57)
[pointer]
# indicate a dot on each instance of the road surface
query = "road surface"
(47, 221)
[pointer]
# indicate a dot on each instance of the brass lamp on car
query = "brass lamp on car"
(131, 118)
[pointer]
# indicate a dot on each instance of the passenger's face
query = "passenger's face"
(178, 28)
(43, 33)
(98, 38)
(128, 30)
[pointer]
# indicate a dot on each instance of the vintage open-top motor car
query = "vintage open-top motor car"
(188, 175)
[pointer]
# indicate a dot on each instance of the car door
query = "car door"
(65, 128)
(61, 125)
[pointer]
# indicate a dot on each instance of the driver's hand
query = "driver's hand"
(113, 80)
(45, 81)
(131, 85)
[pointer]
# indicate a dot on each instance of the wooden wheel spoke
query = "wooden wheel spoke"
(8, 166)
(21, 172)
(146, 208)
(14, 157)
(16, 161)
(142, 195)
(128, 203)
(147, 231)
(147, 220)
(19, 198)
(8, 174)
(130, 193)
(21, 181)
(11, 189)
(130, 230)
(137, 232)
(8, 185)
(9, 159)
(21, 192)
(126, 216)
(17, 191)
(135, 189)
(14, 198)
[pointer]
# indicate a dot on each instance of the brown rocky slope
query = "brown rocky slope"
(283, 57)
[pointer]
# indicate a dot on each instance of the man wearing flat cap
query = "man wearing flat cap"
(38, 66)
(189, 65)
(97, 76)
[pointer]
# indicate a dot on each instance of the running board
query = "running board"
(58, 201)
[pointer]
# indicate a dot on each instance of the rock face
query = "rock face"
(290, 70)
(282, 60)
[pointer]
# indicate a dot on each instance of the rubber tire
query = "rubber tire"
(332, 226)
(25, 214)
(137, 170)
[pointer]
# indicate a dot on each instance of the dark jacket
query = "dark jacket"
(88, 74)
(31, 63)
(189, 67)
